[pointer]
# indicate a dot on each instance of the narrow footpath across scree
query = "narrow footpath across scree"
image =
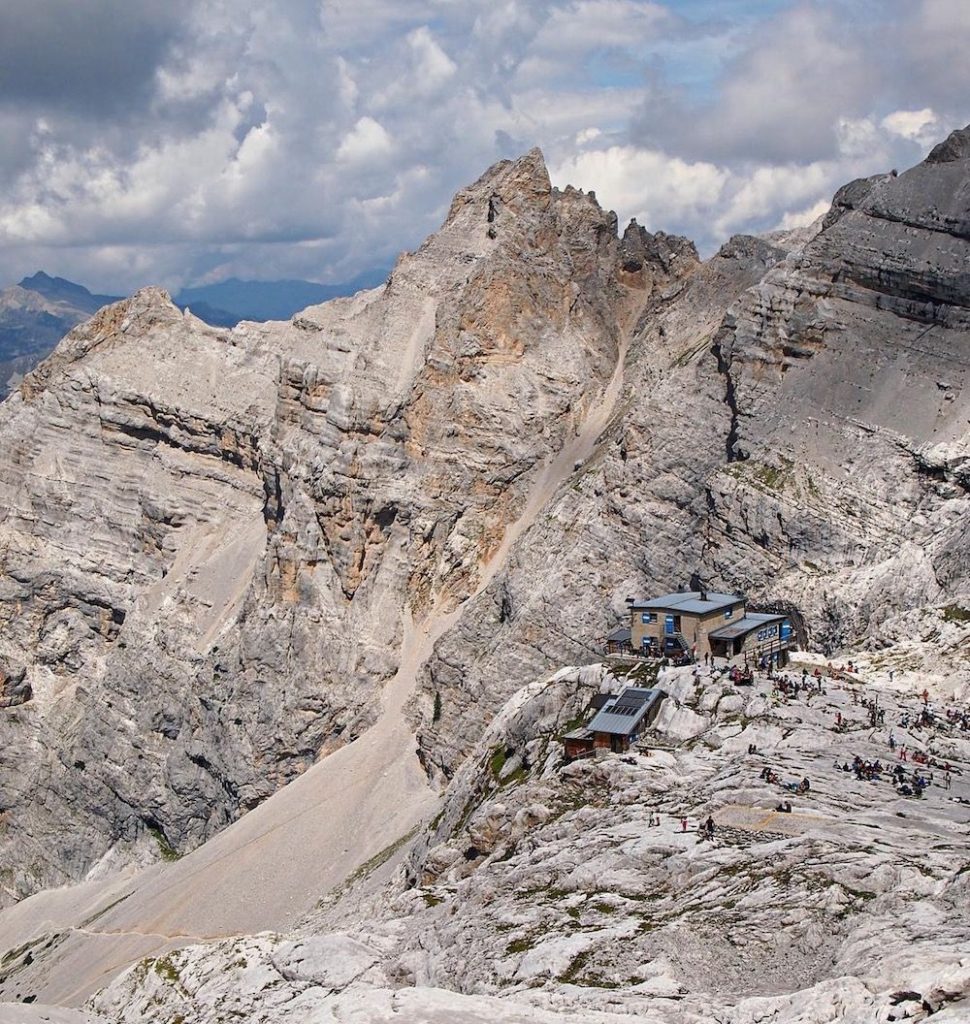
(268, 869)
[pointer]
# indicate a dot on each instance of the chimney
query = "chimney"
(703, 595)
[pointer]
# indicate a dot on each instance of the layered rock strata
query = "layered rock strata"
(214, 544)
(208, 537)
(545, 892)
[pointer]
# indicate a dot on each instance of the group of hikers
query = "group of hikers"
(769, 776)
(907, 781)
(705, 829)
(958, 719)
(741, 676)
(910, 782)
(926, 717)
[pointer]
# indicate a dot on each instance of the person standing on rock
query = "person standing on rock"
(683, 824)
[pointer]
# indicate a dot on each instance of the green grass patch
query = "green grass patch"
(576, 974)
(104, 910)
(773, 477)
(166, 969)
(165, 848)
(603, 908)
(956, 613)
(367, 868)
(370, 866)
(520, 945)
(574, 723)
(519, 775)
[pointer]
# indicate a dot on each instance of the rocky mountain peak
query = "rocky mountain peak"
(955, 147)
(638, 246)
(327, 552)
(60, 290)
(509, 185)
(39, 281)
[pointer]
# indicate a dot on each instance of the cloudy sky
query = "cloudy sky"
(184, 141)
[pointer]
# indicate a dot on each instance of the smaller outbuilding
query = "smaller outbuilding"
(617, 724)
(618, 642)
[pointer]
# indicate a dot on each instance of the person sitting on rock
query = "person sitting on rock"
(785, 807)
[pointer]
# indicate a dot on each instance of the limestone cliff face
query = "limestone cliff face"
(209, 539)
(848, 368)
(795, 426)
(556, 892)
(633, 519)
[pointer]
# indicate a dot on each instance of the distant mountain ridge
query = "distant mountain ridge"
(34, 315)
(237, 300)
(38, 311)
(59, 289)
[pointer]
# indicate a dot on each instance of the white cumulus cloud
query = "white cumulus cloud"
(198, 139)
(645, 184)
(921, 126)
(366, 140)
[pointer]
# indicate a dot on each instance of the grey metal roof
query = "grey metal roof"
(619, 634)
(689, 601)
(750, 622)
(622, 716)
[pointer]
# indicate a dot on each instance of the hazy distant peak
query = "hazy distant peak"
(62, 290)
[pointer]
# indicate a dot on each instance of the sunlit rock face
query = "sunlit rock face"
(214, 543)
(556, 892)
(796, 427)
(209, 537)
